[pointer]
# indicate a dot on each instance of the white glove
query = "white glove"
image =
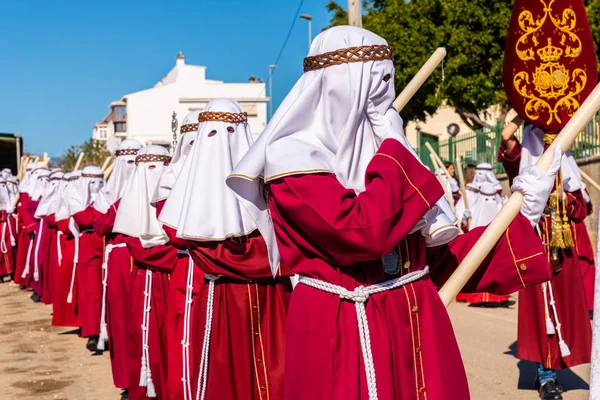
(391, 126)
(467, 215)
(536, 186)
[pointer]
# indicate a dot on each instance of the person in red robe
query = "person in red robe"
(238, 322)
(90, 253)
(186, 278)
(7, 239)
(345, 194)
(554, 328)
(114, 319)
(48, 252)
(153, 261)
(64, 306)
(483, 198)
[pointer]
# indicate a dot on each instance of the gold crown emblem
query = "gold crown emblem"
(550, 53)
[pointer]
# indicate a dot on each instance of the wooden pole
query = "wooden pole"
(441, 179)
(46, 160)
(438, 159)
(79, 161)
(108, 171)
(461, 180)
(511, 209)
(589, 180)
(355, 13)
(417, 81)
(105, 165)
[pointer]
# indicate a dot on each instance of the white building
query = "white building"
(146, 115)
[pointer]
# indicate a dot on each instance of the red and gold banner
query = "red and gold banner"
(549, 61)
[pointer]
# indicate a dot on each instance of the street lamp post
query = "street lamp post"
(309, 19)
(271, 68)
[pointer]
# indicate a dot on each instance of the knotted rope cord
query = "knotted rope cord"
(189, 128)
(564, 349)
(75, 262)
(203, 373)
(28, 259)
(3, 247)
(359, 296)
(36, 256)
(220, 116)
(58, 248)
(185, 343)
(103, 327)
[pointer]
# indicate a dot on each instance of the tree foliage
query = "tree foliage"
(95, 154)
(474, 35)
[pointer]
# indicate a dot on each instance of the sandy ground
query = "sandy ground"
(38, 361)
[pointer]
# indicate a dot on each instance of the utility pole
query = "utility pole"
(309, 19)
(271, 68)
(354, 13)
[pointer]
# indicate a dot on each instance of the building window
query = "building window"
(120, 127)
(251, 109)
(119, 113)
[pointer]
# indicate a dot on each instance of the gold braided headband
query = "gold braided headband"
(189, 128)
(73, 178)
(233, 118)
(482, 169)
(126, 152)
(152, 158)
(92, 175)
(39, 169)
(349, 55)
(55, 179)
(55, 172)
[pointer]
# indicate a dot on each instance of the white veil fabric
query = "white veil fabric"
(38, 188)
(85, 189)
(5, 201)
(62, 208)
(485, 174)
(189, 131)
(51, 195)
(201, 206)
(123, 168)
(135, 216)
(532, 149)
(24, 185)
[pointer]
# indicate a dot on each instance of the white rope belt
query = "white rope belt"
(28, 259)
(550, 328)
(185, 343)
(36, 256)
(203, 374)
(58, 247)
(13, 242)
(75, 263)
(3, 247)
(359, 296)
(145, 372)
(103, 328)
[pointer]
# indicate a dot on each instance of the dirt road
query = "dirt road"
(40, 362)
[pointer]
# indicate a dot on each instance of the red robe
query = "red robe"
(533, 342)
(89, 273)
(327, 232)
(585, 251)
(7, 250)
(120, 265)
(248, 322)
(29, 223)
(63, 312)
(48, 258)
(176, 314)
(160, 260)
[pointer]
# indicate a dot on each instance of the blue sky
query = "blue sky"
(62, 62)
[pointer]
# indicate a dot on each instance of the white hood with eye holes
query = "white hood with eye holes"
(201, 206)
(135, 216)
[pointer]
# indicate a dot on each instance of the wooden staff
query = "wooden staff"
(108, 171)
(46, 160)
(511, 209)
(79, 161)
(105, 165)
(438, 159)
(21, 173)
(463, 187)
(442, 182)
(417, 81)
(589, 180)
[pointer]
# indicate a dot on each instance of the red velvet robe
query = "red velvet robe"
(49, 258)
(161, 260)
(7, 251)
(585, 251)
(29, 223)
(175, 317)
(64, 313)
(328, 233)
(120, 265)
(248, 323)
(533, 342)
(89, 273)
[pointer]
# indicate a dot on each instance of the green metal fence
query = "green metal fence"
(482, 145)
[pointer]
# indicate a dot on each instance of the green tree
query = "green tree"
(472, 31)
(95, 154)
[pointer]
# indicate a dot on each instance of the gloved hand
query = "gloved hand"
(467, 215)
(536, 186)
(394, 128)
